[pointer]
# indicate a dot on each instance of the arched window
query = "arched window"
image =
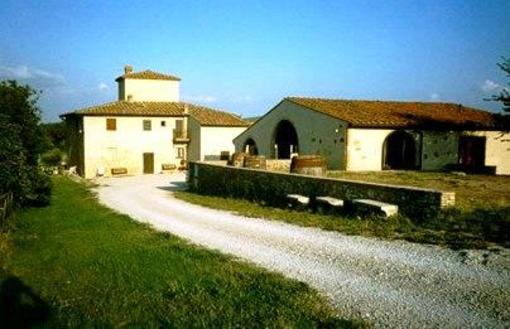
(399, 151)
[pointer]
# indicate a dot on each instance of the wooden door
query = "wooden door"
(472, 151)
(148, 163)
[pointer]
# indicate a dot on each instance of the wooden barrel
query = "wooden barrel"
(314, 165)
(237, 159)
(255, 161)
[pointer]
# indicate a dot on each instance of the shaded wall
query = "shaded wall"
(272, 188)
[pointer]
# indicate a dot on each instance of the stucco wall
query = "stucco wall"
(317, 133)
(125, 146)
(440, 148)
(213, 140)
(149, 90)
(497, 150)
(194, 143)
(365, 148)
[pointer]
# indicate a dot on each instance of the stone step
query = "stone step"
(368, 205)
(298, 200)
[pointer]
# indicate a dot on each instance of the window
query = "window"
(180, 153)
(163, 123)
(111, 124)
(147, 125)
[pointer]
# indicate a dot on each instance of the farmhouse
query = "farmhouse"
(148, 129)
(361, 135)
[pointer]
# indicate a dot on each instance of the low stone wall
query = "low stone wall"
(272, 187)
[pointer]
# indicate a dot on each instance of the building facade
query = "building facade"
(377, 135)
(147, 130)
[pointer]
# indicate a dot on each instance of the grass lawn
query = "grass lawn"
(481, 218)
(471, 191)
(79, 264)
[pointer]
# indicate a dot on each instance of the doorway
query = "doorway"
(399, 151)
(148, 163)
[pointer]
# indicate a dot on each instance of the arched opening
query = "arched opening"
(250, 147)
(285, 141)
(399, 151)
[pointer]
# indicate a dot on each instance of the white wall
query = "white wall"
(364, 148)
(125, 146)
(213, 140)
(149, 90)
(497, 150)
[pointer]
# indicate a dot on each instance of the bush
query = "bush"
(52, 157)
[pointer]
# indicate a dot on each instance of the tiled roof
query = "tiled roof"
(148, 74)
(205, 116)
(391, 114)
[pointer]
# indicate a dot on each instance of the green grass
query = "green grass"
(459, 227)
(78, 264)
(471, 191)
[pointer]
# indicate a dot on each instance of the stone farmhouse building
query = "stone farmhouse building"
(148, 129)
(358, 135)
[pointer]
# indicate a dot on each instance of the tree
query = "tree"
(21, 142)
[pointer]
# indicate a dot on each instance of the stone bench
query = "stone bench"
(372, 206)
(168, 166)
(119, 171)
(297, 200)
(327, 203)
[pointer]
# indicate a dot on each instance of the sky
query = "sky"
(245, 56)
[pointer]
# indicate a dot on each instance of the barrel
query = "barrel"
(237, 159)
(314, 165)
(255, 161)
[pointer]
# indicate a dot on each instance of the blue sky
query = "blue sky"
(244, 56)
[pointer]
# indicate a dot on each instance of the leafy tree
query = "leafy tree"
(21, 142)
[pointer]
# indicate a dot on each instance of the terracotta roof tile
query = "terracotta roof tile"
(205, 116)
(391, 114)
(148, 74)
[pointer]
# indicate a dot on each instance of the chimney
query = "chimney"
(128, 69)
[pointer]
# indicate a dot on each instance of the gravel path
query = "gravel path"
(388, 283)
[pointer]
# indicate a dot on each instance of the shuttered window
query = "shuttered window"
(147, 125)
(111, 124)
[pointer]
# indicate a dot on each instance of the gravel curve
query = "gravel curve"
(387, 283)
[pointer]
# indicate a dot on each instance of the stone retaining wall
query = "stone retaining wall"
(272, 187)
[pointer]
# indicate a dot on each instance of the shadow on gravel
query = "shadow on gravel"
(174, 186)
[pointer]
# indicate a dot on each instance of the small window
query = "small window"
(111, 124)
(147, 125)
(163, 123)
(180, 153)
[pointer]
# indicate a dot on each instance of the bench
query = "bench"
(372, 206)
(326, 203)
(168, 166)
(119, 171)
(297, 200)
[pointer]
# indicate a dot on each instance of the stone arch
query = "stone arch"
(399, 151)
(285, 141)
(250, 147)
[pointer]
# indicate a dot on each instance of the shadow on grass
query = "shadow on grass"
(20, 307)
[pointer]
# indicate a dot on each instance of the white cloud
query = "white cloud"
(103, 86)
(37, 76)
(489, 85)
(201, 99)
(434, 96)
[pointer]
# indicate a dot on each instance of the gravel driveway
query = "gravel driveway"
(388, 283)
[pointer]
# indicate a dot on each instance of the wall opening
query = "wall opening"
(285, 141)
(399, 151)
(472, 152)
(250, 147)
